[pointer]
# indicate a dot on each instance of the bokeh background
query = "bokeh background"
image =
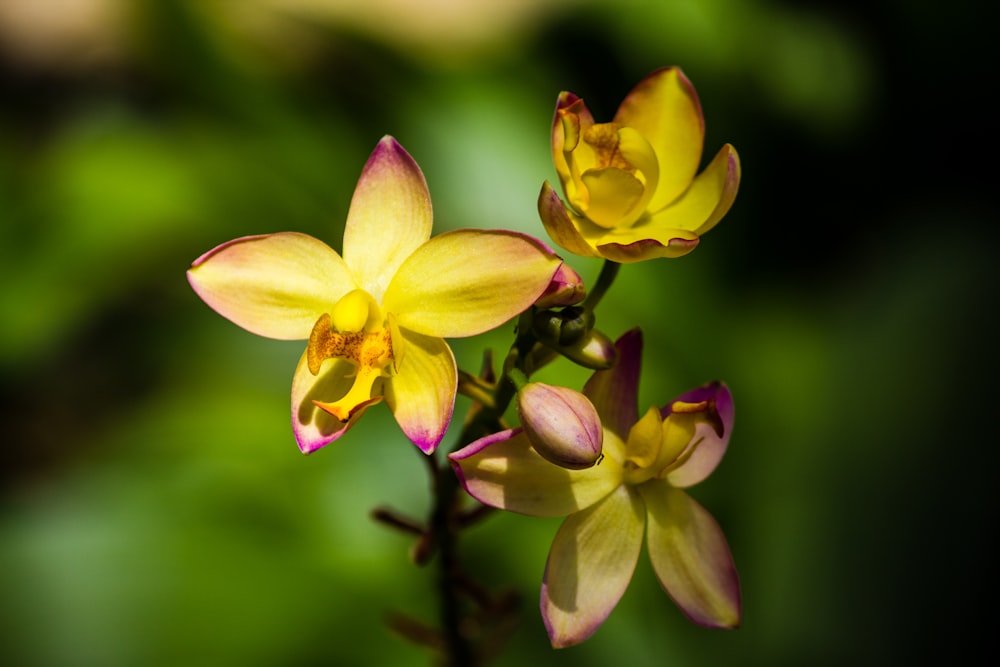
(154, 509)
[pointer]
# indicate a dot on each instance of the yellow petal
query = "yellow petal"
(421, 394)
(503, 470)
(708, 199)
(276, 285)
(639, 243)
(691, 557)
(665, 109)
(313, 426)
(590, 565)
(563, 226)
(645, 440)
(572, 119)
(389, 218)
(467, 281)
(613, 196)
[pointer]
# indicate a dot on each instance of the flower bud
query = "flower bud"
(563, 327)
(561, 424)
(565, 289)
(595, 351)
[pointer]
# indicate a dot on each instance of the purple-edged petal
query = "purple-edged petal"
(275, 285)
(421, 394)
(691, 557)
(624, 245)
(389, 218)
(705, 203)
(561, 224)
(565, 289)
(590, 565)
(675, 243)
(467, 281)
(571, 120)
(614, 392)
(665, 109)
(503, 470)
(711, 445)
(313, 426)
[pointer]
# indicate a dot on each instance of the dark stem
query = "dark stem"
(444, 527)
(447, 517)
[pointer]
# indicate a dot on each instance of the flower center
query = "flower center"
(355, 331)
(604, 139)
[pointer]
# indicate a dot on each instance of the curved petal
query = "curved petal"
(614, 194)
(690, 557)
(590, 565)
(467, 281)
(390, 216)
(707, 200)
(665, 109)
(559, 225)
(582, 237)
(313, 426)
(572, 118)
(712, 438)
(565, 289)
(635, 149)
(421, 394)
(503, 470)
(675, 244)
(275, 285)
(614, 392)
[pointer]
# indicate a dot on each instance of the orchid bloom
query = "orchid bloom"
(632, 185)
(637, 487)
(376, 317)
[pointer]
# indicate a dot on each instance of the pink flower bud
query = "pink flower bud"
(561, 424)
(565, 289)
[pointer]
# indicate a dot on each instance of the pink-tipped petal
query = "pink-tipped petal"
(614, 392)
(712, 443)
(274, 285)
(590, 565)
(314, 427)
(560, 226)
(571, 120)
(421, 394)
(467, 281)
(691, 557)
(503, 470)
(565, 289)
(389, 218)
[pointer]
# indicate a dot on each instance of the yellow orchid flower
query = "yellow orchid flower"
(636, 488)
(632, 185)
(376, 317)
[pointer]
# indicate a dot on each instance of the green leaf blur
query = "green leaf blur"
(154, 509)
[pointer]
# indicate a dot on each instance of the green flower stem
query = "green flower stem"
(609, 271)
(475, 388)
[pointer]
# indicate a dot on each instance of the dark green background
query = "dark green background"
(154, 509)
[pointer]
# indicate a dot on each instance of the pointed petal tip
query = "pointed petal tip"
(567, 99)
(389, 149)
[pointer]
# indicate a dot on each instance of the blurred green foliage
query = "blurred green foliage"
(154, 509)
